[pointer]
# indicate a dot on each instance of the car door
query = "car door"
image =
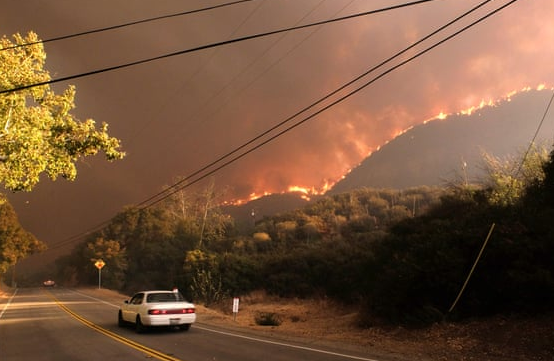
(132, 307)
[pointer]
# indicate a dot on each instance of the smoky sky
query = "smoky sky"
(176, 115)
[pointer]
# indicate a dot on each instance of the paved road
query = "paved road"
(63, 324)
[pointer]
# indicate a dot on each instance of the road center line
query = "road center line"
(254, 338)
(137, 346)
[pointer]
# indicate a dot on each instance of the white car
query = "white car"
(49, 283)
(157, 308)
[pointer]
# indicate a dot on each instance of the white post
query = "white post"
(235, 308)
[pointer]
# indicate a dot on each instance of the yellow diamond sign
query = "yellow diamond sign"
(99, 264)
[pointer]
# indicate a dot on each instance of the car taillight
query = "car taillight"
(171, 312)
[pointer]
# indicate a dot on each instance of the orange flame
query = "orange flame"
(307, 192)
(442, 116)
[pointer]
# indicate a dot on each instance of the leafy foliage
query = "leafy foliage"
(15, 242)
(110, 252)
(420, 266)
(150, 247)
(38, 133)
(206, 288)
(508, 179)
(315, 251)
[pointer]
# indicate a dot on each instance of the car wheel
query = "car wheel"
(185, 327)
(120, 321)
(139, 327)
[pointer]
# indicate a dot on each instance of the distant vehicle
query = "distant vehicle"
(157, 308)
(49, 283)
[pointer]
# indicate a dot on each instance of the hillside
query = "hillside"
(432, 153)
(247, 214)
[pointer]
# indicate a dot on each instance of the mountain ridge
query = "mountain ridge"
(435, 152)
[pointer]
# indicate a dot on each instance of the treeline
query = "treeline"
(15, 242)
(403, 256)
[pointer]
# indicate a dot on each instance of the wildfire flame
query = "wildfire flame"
(308, 192)
(488, 103)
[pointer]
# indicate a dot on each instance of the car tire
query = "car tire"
(139, 327)
(185, 327)
(120, 321)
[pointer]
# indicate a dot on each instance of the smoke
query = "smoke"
(177, 115)
(506, 53)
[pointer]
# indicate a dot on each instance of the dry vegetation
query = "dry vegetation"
(500, 338)
(323, 322)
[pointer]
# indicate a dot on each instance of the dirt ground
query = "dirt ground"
(506, 339)
(323, 322)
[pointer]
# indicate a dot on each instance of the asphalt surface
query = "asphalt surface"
(42, 324)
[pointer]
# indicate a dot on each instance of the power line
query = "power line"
(208, 46)
(296, 114)
(321, 100)
(532, 142)
(146, 203)
(136, 22)
(179, 185)
(204, 65)
(228, 162)
(220, 107)
(348, 95)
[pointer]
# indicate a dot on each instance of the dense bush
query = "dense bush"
(421, 265)
(402, 255)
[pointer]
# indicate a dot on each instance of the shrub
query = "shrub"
(267, 319)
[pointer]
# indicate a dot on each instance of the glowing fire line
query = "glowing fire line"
(307, 192)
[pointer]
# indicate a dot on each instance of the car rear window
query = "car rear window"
(164, 297)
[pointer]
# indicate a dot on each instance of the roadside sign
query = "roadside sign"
(99, 264)
(235, 307)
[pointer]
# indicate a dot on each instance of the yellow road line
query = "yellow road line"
(150, 352)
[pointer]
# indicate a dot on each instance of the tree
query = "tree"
(115, 257)
(542, 190)
(213, 223)
(38, 134)
(508, 179)
(15, 242)
(205, 282)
